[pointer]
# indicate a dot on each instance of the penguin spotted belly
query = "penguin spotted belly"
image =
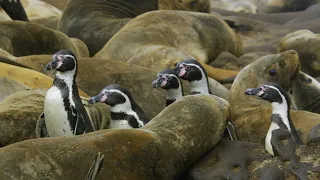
(56, 117)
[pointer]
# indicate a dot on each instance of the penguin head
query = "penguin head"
(112, 95)
(167, 79)
(190, 70)
(63, 60)
(271, 92)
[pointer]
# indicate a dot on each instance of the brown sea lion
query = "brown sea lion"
(305, 93)
(186, 5)
(28, 77)
(172, 36)
(20, 39)
(307, 44)
(96, 21)
(252, 115)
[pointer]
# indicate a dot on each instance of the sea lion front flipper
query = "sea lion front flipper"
(14, 9)
(220, 75)
(95, 167)
(41, 129)
(232, 131)
(242, 27)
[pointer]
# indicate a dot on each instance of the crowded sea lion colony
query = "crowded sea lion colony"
(160, 89)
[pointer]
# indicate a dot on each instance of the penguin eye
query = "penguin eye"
(273, 72)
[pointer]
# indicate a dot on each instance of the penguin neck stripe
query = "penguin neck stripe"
(201, 85)
(281, 109)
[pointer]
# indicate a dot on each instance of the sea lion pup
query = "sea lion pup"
(96, 21)
(305, 93)
(14, 9)
(21, 39)
(173, 36)
(251, 115)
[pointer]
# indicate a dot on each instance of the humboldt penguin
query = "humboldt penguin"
(169, 80)
(64, 112)
(14, 9)
(280, 118)
(125, 112)
(192, 71)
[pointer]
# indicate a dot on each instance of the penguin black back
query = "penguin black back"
(14, 9)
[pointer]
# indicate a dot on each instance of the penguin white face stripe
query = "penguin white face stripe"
(280, 109)
(125, 107)
(68, 78)
(200, 85)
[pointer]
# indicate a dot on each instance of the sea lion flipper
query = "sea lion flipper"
(41, 129)
(14, 9)
(242, 27)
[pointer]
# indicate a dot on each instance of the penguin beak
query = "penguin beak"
(159, 82)
(99, 98)
(56, 63)
(181, 70)
(255, 91)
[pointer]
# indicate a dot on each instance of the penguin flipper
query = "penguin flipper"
(95, 167)
(14, 9)
(232, 131)
(41, 129)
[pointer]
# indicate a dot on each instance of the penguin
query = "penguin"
(280, 118)
(192, 71)
(14, 9)
(169, 80)
(64, 113)
(125, 112)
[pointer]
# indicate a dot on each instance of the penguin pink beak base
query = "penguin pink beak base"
(98, 98)
(159, 82)
(256, 91)
(182, 70)
(56, 63)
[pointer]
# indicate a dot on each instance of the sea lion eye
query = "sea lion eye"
(273, 72)
(308, 81)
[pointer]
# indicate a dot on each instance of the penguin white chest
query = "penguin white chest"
(268, 145)
(119, 124)
(56, 117)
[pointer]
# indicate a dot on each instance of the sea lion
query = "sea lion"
(252, 115)
(305, 93)
(20, 39)
(28, 77)
(235, 5)
(172, 36)
(96, 21)
(186, 5)
(307, 44)
(9, 86)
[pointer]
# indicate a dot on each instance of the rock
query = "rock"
(164, 45)
(95, 22)
(9, 86)
(35, 40)
(20, 111)
(163, 149)
(28, 77)
(307, 44)
(305, 93)
(252, 115)
(185, 5)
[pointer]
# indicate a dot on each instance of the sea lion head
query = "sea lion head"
(305, 92)
(280, 68)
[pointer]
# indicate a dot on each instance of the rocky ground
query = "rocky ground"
(128, 43)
